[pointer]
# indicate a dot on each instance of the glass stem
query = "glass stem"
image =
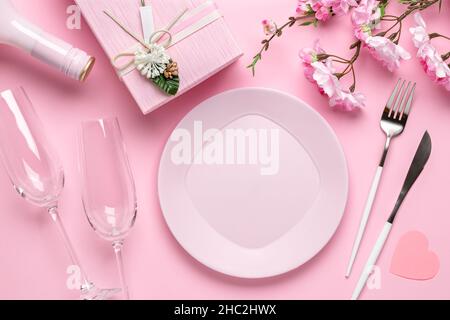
(118, 246)
(53, 211)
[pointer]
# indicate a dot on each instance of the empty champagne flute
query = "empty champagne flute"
(109, 196)
(35, 171)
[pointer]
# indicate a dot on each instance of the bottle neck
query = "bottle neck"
(51, 50)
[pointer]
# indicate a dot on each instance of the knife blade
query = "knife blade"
(420, 160)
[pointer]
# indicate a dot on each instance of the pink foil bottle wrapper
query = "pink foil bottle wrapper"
(199, 56)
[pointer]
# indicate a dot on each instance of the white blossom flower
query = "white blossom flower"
(153, 63)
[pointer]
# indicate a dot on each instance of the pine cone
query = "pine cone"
(171, 70)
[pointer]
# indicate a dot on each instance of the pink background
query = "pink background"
(33, 260)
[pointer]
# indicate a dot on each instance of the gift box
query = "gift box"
(206, 46)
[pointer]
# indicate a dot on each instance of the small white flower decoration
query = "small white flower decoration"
(152, 64)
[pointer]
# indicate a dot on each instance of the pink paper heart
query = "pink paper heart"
(412, 259)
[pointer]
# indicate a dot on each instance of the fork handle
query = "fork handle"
(365, 218)
(385, 151)
(372, 260)
(368, 207)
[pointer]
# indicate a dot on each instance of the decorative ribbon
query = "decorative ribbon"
(187, 23)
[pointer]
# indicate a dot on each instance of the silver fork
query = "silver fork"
(393, 122)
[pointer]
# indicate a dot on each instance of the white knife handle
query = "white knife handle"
(364, 219)
(372, 260)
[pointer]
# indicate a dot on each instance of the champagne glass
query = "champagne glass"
(109, 196)
(35, 171)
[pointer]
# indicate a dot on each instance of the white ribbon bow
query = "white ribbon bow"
(150, 59)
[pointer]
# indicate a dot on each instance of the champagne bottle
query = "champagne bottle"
(17, 31)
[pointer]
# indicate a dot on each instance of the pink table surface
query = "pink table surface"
(33, 260)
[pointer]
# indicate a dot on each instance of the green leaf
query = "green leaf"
(169, 86)
(382, 11)
(307, 23)
(254, 62)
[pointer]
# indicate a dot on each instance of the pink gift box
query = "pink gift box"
(199, 56)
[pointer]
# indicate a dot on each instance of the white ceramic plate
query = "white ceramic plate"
(268, 206)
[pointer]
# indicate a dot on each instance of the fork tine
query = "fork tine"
(399, 98)
(393, 95)
(402, 105)
(409, 103)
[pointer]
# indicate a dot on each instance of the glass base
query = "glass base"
(91, 292)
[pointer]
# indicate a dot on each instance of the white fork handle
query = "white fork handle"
(372, 260)
(364, 219)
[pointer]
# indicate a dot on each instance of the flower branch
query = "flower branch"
(445, 56)
(311, 12)
(367, 19)
(437, 35)
(276, 32)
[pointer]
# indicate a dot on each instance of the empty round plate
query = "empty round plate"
(253, 183)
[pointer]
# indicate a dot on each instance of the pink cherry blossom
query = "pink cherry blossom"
(323, 9)
(366, 12)
(342, 6)
(318, 72)
(303, 7)
(429, 57)
(308, 56)
(434, 66)
(329, 85)
(323, 13)
(324, 77)
(419, 32)
(269, 27)
(322, 74)
(348, 101)
(308, 70)
(387, 52)
(316, 4)
(365, 18)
